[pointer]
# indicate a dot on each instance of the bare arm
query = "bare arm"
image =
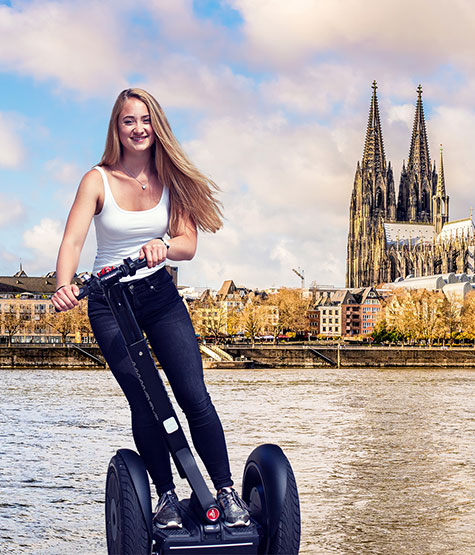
(182, 245)
(79, 219)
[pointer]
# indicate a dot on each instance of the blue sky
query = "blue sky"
(269, 97)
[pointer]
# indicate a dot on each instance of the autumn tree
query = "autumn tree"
(252, 319)
(11, 323)
(233, 321)
(292, 310)
(467, 316)
(209, 317)
(216, 323)
(416, 314)
(82, 322)
(69, 322)
(452, 319)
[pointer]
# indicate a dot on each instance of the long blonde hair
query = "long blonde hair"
(192, 194)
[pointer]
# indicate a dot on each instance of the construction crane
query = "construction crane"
(300, 273)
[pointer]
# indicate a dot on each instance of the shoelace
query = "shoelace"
(167, 498)
(230, 497)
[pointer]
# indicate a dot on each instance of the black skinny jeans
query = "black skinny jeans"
(162, 315)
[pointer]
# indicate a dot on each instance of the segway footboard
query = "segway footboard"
(198, 538)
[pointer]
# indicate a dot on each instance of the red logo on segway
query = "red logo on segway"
(105, 270)
(212, 514)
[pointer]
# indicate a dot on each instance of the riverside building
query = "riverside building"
(26, 311)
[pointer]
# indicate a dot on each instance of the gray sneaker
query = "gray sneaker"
(167, 512)
(236, 512)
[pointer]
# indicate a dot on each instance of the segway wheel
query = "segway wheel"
(126, 529)
(270, 490)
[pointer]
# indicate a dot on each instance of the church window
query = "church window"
(379, 198)
(425, 201)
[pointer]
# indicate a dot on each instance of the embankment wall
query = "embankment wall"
(259, 356)
(353, 357)
(50, 356)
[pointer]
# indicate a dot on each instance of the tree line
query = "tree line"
(421, 316)
(64, 324)
(281, 313)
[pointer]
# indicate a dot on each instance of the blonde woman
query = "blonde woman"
(144, 188)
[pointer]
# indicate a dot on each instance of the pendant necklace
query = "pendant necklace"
(126, 171)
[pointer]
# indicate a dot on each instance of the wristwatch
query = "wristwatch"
(165, 242)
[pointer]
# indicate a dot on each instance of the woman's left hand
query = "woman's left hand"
(155, 251)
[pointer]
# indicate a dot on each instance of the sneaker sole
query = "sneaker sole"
(237, 523)
(170, 525)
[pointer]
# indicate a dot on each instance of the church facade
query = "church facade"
(390, 239)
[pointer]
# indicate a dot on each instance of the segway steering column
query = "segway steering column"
(155, 393)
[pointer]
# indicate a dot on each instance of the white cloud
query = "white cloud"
(12, 150)
(285, 192)
(283, 145)
(66, 173)
(43, 240)
(180, 81)
(75, 43)
(11, 210)
(453, 127)
(283, 33)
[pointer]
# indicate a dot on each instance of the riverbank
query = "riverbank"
(349, 356)
(72, 356)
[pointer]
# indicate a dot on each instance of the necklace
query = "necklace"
(126, 171)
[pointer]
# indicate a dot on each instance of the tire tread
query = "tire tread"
(286, 539)
(135, 539)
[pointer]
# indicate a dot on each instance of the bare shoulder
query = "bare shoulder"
(92, 180)
(91, 185)
(90, 192)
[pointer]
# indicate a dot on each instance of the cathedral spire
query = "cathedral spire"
(419, 158)
(418, 182)
(373, 201)
(440, 201)
(441, 178)
(373, 154)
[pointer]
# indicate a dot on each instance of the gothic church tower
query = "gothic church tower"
(418, 182)
(373, 201)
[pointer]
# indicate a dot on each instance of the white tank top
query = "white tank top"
(122, 233)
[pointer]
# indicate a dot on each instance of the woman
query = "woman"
(144, 188)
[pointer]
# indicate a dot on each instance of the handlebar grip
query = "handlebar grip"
(83, 292)
(141, 263)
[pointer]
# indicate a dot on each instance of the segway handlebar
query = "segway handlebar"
(110, 275)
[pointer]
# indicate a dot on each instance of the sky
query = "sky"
(269, 98)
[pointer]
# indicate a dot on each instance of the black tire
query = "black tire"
(126, 529)
(270, 490)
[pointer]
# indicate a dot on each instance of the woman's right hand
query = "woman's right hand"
(65, 297)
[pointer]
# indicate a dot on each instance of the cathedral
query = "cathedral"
(412, 236)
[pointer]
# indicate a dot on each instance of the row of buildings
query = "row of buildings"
(323, 312)
(330, 312)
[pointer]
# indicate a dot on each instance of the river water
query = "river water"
(384, 459)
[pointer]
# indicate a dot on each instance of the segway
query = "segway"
(268, 485)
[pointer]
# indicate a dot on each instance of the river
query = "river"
(384, 459)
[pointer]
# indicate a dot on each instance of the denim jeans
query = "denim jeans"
(162, 315)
